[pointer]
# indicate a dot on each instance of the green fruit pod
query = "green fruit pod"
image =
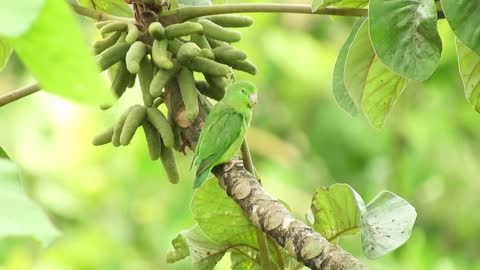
(228, 20)
(174, 45)
(117, 128)
(145, 76)
(113, 27)
(134, 119)
(182, 29)
(101, 24)
(121, 80)
(131, 80)
(162, 125)
(207, 53)
(170, 164)
(132, 34)
(160, 54)
(187, 52)
(161, 78)
(210, 91)
(208, 66)
(200, 40)
(216, 43)
(220, 82)
(245, 66)
(103, 44)
(215, 31)
(228, 54)
(156, 30)
(135, 54)
(112, 55)
(154, 142)
(186, 82)
(104, 137)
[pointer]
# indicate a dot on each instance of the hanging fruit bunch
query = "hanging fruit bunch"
(162, 54)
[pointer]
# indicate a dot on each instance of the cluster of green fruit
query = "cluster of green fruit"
(159, 54)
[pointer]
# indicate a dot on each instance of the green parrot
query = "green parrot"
(224, 129)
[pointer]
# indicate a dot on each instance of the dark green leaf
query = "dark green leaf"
(469, 64)
(316, 4)
(22, 217)
(114, 7)
(463, 17)
(405, 37)
(59, 58)
(3, 154)
(17, 16)
(5, 52)
(338, 84)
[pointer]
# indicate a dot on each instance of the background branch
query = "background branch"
(97, 15)
(19, 93)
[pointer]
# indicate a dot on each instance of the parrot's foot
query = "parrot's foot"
(229, 165)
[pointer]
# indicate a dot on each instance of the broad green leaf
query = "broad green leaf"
(359, 59)
(382, 90)
(244, 259)
(5, 52)
(405, 37)
(114, 7)
(219, 217)
(387, 225)
(338, 84)
(316, 4)
(203, 252)
(20, 217)
(469, 64)
(59, 57)
(17, 16)
(336, 211)
(462, 15)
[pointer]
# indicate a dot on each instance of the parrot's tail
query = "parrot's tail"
(200, 179)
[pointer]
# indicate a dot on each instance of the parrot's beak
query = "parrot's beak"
(252, 100)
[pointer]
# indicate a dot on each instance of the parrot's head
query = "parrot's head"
(242, 93)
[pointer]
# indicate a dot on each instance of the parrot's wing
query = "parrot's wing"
(226, 127)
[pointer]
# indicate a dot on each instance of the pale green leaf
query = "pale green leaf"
(405, 37)
(469, 64)
(359, 59)
(316, 4)
(382, 90)
(59, 57)
(114, 7)
(245, 259)
(5, 52)
(387, 225)
(22, 218)
(336, 211)
(463, 17)
(221, 219)
(17, 16)
(338, 84)
(203, 252)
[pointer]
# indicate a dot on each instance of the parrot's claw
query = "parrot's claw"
(229, 165)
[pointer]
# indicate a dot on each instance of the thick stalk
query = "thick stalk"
(97, 15)
(19, 93)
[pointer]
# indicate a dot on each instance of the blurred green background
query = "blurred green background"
(117, 210)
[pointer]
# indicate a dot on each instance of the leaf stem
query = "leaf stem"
(97, 15)
(19, 93)
(190, 12)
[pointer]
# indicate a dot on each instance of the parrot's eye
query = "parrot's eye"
(243, 91)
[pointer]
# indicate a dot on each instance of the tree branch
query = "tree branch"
(19, 93)
(97, 15)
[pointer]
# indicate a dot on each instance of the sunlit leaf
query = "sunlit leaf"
(316, 4)
(19, 216)
(244, 259)
(338, 84)
(203, 252)
(359, 59)
(405, 37)
(5, 52)
(220, 218)
(114, 7)
(387, 225)
(382, 90)
(462, 15)
(469, 64)
(336, 211)
(59, 58)
(17, 16)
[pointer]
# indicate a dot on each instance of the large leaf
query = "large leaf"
(54, 51)
(405, 37)
(114, 7)
(5, 52)
(316, 4)
(382, 90)
(19, 216)
(469, 64)
(338, 84)
(244, 259)
(387, 225)
(359, 59)
(203, 252)
(219, 217)
(17, 16)
(336, 211)
(462, 15)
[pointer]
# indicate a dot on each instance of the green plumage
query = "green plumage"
(224, 129)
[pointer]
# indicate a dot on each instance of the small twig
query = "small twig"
(97, 15)
(19, 93)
